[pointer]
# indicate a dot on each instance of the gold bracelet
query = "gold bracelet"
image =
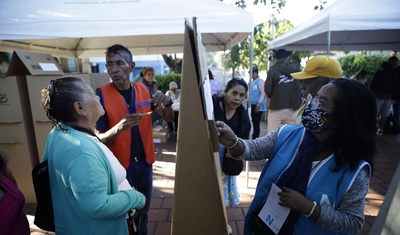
(237, 141)
(312, 210)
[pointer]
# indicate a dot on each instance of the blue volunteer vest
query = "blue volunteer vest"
(289, 140)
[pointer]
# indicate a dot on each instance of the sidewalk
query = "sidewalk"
(160, 214)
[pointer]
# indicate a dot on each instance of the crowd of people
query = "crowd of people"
(100, 151)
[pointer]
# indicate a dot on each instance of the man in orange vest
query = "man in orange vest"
(126, 126)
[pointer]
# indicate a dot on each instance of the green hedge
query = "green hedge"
(164, 80)
(352, 64)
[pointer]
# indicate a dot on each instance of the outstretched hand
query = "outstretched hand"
(226, 135)
(130, 120)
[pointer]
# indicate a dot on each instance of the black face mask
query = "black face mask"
(314, 117)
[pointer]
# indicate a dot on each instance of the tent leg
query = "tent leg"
(249, 99)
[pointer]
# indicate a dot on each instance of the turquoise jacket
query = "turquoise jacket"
(83, 185)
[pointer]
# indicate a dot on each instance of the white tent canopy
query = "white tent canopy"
(346, 25)
(83, 29)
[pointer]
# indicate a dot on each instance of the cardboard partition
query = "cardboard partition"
(17, 139)
(388, 219)
(99, 79)
(24, 125)
(30, 63)
(199, 206)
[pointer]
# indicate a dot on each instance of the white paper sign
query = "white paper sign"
(48, 66)
(273, 214)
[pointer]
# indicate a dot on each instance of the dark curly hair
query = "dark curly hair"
(58, 98)
(355, 116)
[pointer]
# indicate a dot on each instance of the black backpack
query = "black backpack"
(44, 215)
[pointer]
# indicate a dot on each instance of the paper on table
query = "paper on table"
(273, 214)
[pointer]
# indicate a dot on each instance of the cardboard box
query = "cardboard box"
(18, 139)
(160, 136)
(24, 125)
(99, 79)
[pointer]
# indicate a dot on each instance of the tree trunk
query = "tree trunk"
(175, 65)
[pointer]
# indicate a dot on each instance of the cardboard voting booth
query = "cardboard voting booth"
(388, 220)
(24, 125)
(199, 206)
(17, 134)
(98, 79)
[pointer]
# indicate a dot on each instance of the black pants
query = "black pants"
(171, 125)
(255, 119)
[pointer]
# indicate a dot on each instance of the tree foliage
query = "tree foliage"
(352, 64)
(235, 57)
(239, 56)
(320, 6)
(276, 5)
(164, 80)
(262, 35)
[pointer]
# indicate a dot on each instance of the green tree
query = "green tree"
(239, 56)
(164, 80)
(352, 64)
(233, 60)
(320, 6)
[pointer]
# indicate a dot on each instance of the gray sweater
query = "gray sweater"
(348, 217)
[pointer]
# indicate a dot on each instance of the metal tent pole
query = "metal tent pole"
(249, 98)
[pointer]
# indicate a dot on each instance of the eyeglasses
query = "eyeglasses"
(316, 103)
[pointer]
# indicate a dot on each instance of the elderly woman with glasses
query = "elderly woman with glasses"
(89, 189)
(317, 175)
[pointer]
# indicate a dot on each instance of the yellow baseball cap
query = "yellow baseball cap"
(320, 66)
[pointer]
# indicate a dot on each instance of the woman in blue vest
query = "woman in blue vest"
(322, 169)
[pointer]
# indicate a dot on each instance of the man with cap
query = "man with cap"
(318, 72)
(282, 90)
(258, 102)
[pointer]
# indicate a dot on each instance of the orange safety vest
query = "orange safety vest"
(116, 109)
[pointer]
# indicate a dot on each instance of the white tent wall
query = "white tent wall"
(346, 25)
(83, 29)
